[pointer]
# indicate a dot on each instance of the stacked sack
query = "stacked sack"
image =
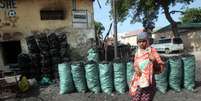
(47, 50)
(92, 76)
(92, 71)
(44, 46)
(120, 82)
(96, 77)
(34, 53)
(189, 71)
(116, 76)
(78, 74)
(179, 72)
(65, 77)
(106, 77)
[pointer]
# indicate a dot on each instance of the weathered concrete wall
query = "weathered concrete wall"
(28, 15)
(191, 39)
(28, 20)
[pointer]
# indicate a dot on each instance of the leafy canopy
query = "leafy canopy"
(144, 11)
(192, 15)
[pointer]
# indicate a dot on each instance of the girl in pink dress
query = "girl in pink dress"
(143, 83)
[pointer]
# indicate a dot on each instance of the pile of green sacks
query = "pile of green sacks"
(105, 77)
(179, 72)
(116, 75)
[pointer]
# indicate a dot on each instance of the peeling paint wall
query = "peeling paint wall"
(28, 20)
(28, 17)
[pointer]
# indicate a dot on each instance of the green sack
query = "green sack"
(120, 84)
(65, 77)
(78, 74)
(175, 77)
(92, 55)
(189, 71)
(106, 77)
(162, 80)
(45, 81)
(129, 72)
(92, 77)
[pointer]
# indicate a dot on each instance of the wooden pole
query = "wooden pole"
(115, 29)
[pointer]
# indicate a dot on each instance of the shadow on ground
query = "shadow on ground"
(197, 84)
(33, 92)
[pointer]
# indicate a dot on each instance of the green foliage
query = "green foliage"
(145, 11)
(192, 15)
(122, 7)
(99, 28)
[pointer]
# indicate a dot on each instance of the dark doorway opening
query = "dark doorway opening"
(10, 51)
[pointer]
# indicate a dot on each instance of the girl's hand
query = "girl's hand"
(151, 57)
(162, 67)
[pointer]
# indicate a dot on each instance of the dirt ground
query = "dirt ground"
(51, 93)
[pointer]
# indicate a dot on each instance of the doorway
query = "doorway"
(10, 51)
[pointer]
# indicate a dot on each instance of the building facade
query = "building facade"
(21, 18)
(131, 37)
(190, 34)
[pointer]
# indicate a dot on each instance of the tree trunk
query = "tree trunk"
(172, 22)
(97, 34)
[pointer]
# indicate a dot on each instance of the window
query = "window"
(52, 14)
(156, 42)
(80, 18)
(165, 41)
(177, 41)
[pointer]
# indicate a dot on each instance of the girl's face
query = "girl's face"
(142, 44)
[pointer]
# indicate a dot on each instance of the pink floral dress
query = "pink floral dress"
(141, 60)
